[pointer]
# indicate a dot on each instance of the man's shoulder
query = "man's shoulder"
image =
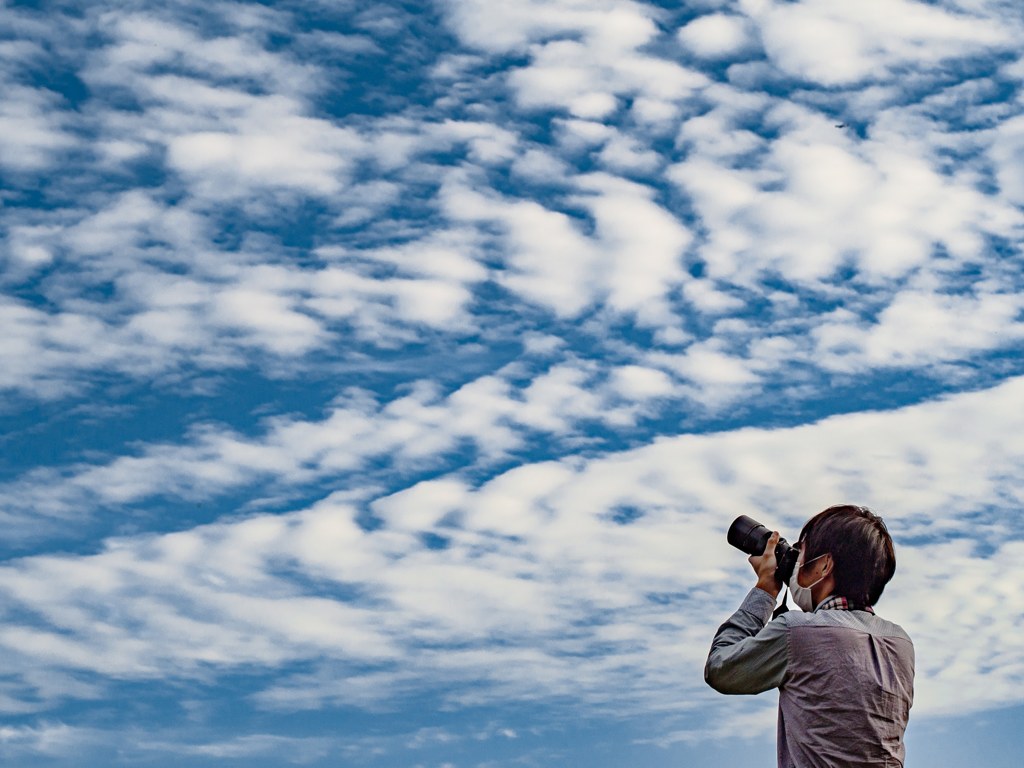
(862, 621)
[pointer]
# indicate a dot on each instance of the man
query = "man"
(845, 676)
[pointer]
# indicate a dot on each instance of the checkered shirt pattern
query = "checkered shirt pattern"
(840, 603)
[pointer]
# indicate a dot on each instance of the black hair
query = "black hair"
(862, 551)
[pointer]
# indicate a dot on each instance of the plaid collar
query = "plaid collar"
(839, 603)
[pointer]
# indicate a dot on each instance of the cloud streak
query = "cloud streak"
(538, 570)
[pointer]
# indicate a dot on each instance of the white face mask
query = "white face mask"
(802, 595)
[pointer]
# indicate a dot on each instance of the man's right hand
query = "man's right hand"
(764, 566)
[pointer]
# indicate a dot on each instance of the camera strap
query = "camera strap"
(783, 608)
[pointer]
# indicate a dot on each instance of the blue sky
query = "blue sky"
(379, 379)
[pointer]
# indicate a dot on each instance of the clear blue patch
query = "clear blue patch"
(434, 541)
(625, 515)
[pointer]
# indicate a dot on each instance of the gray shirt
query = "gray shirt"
(845, 680)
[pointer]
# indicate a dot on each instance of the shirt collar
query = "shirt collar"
(840, 603)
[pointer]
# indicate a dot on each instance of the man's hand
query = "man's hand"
(764, 566)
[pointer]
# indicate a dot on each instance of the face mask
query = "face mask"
(802, 595)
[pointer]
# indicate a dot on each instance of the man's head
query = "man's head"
(862, 555)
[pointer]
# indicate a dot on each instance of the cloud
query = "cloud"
(1007, 151)
(631, 263)
(569, 75)
(57, 741)
(583, 58)
(515, 303)
(813, 203)
(635, 381)
(232, 116)
(833, 44)
(921, 328)
(32, 130)
(817, 202)
(51, 740)
(288, 749)
(716, 35)
(619, 23)
(178, 300)
(492, 416)
(226, 141)
(36, 345)
(549, 257)
(535, 585)
(141, 43)
(226, 164)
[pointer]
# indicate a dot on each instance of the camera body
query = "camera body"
(748, 535)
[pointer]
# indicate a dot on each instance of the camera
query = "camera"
(748, 535)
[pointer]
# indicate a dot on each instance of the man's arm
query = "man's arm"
(749, 654)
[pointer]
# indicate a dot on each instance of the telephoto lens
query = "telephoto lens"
(748, 535)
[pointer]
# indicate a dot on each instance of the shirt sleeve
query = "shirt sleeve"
(749, 653)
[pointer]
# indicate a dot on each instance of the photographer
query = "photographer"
(845, 676)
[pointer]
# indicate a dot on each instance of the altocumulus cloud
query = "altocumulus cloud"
(538, 568)
(387, 375)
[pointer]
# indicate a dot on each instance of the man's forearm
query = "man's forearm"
(748, 655)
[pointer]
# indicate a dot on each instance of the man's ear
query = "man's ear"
(828, 565)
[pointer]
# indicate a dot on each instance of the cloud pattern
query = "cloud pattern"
(361, 360)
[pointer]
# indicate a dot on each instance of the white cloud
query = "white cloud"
(52, 740)
(818, 201)
(627, 155)
(37, 347)
(706, 365)
(491, 414)
(585, 81)
(636, 382)
(540, 166)
(584, 76)
(180, 300)
(716, 35)
(488, 144)
(631, 263)
(29, 248)
(552, 261)
(921, 328)
(1008, 159)
(132, 743)
(816, 251)
(228, 142)
(290, 749)
(269, 317)
(536, 573)
(654, 113)
(232, 116)
(642, 244)
(620, 24)
(706, 298)
(719, 138)
(116, 230)
(832, 42)
(387, 310)
(146, 43)
(33, 128)
(578, 134)
(226, 164)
